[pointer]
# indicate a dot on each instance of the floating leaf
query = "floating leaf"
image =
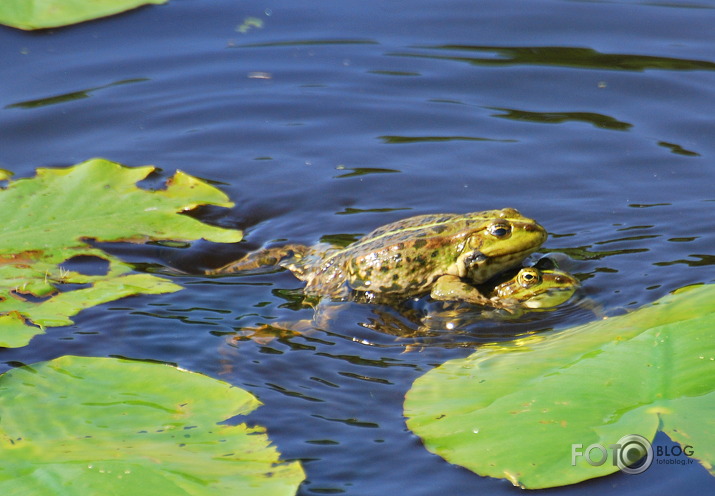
(40, 14)
(248, 24)
(68, 97)
(56, 311)
(514, 410)
(78, 426)
(45, 220)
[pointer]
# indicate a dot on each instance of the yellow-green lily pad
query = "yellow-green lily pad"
(516, 410)
(79, 426)
(46, 220)
(41, 14)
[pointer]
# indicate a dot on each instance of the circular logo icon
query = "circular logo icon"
(635, 455)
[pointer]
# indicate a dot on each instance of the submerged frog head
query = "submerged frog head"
(534, 288)
(502, 240)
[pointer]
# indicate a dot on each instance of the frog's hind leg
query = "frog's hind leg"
(323, 319)
(268, 257)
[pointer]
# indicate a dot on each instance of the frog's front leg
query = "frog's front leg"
(452, 288)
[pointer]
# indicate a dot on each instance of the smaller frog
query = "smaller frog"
(535, 289)
(509, 296)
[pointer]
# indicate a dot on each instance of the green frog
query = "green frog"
(532, 288)
(443, 255)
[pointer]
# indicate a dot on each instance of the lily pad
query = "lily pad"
(78, 426)
(41, 14)
(514, 410)
(46, 220)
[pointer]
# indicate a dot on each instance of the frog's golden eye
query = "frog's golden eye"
(529, 277)
(499, 229)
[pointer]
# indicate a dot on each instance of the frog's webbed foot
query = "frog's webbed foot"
(265, 333)
(269, 257)
(452, 288)
(325, 312)
(506, 305)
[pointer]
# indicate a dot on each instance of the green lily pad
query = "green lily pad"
(514, 410)
(45, 221)
(78, 426)
(41, 14)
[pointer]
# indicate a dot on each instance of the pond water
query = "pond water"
(331, 118)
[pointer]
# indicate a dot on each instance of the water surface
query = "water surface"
(595, 118)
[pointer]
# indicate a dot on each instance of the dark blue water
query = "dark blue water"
(595, 118)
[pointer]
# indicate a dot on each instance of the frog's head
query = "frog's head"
(534, 288)
(501, 240)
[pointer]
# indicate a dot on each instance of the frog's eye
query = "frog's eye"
(528, 277)
(499, 229)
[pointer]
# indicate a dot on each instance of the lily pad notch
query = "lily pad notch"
(515, 410)
(45, 221)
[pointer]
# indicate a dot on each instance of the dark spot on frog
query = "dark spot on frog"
(393, 288)
(420, 243)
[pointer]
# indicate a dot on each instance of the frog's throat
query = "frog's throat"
(549, 298)
(487, 267)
